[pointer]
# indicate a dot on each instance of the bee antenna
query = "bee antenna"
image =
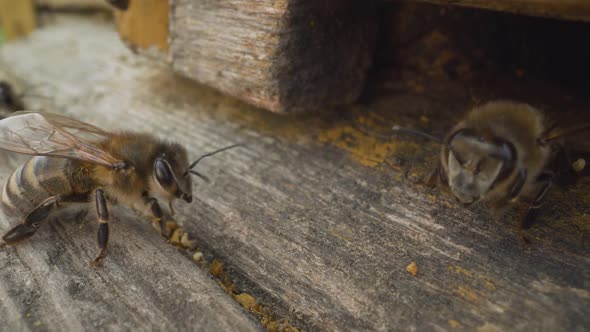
(417, 133)
(568, 132)
(193, 172)
(194, 163)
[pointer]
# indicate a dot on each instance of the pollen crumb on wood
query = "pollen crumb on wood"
(454, 323)
(176, 237)
(248, 302)
(216, 268)
(197, 256)
(267, 317)
(412, 268)
(487, 282)
(169, 227)
(579, 165)
(186, 242)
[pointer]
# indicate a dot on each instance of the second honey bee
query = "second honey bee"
(76, 163)
(500, 153)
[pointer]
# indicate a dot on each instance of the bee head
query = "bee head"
(476, 163)
(169, 169)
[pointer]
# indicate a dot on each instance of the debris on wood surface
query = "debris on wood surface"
(412, 268)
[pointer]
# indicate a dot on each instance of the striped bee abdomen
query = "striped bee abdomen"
(33, 182)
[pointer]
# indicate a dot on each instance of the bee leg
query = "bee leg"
(433, 177)
(547, 181)
(102, 214)
(18, 233)
(166, 226)
(34, 219)
(31, 223)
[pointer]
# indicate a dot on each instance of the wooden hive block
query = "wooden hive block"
(283, 56)
(17, 19)
(144, 24)
(564, 9)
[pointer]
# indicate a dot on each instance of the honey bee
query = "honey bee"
(77, 163)
(500, 153)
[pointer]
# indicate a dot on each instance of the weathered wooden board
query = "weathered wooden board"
(564, 9)
(313, 216)
(48, 283)
(279, 55)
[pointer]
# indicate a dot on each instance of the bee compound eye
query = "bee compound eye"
(163, 173)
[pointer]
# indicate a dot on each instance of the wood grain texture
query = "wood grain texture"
(48, 283)
(563, 9)
(313, 216)
(283, 56)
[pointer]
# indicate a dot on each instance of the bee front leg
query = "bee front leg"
(546, 181)
(433, 178)
(102, 214)
(166, 223)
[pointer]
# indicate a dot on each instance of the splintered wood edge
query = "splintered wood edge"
(144, 25)
(577, 10)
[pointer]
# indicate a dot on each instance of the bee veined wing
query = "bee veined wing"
(52, 135)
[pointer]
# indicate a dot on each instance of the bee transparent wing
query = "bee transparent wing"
(45, 134)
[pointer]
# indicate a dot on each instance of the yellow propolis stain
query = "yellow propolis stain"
(368, 151)
(468, 294)
(485, 281)
(454, 323)
(365, 133)
(364, 141)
